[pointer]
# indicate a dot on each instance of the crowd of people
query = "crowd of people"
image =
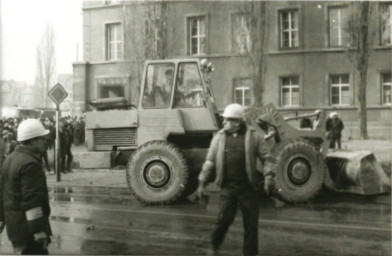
(71, 132)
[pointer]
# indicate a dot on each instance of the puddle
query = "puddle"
(71, 220)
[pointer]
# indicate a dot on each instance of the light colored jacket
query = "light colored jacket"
(213, 167)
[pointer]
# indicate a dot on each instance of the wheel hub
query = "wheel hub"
(157, 174)
(299, 171)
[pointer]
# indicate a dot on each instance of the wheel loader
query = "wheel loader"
(304, 162)
(165, 137)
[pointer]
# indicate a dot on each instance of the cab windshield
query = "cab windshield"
(189, 90)
(158, 85)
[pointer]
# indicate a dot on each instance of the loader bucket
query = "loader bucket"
(356, 172)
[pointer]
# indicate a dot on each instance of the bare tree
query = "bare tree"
(254, 42)
(358, 29)
(145, 36)
(155, 30)
(46, 58)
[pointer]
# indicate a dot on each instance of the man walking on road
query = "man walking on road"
(24, 200)
(231, 162)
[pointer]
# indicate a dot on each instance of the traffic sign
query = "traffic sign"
(57, 93)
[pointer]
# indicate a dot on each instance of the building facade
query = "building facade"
(19, 94)
(307, 60)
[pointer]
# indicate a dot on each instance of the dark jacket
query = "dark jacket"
(24, 200)
(335, 126)
(2, 150)
(65, 138)
(213, 167)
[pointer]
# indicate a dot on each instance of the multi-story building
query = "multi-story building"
(307, 59)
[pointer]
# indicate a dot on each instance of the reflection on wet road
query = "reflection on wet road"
(111, 221)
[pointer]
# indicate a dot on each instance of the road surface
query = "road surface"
(93, 220)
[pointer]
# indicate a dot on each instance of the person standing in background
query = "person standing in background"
(335, 127)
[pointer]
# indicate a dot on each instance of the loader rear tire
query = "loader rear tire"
(157, 173)
(300, 171)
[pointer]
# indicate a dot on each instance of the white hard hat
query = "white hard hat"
(31, 128)
(333, 114)
(234, 111)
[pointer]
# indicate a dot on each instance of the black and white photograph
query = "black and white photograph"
(195, 127)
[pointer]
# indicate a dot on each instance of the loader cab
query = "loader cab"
(175, 84)
(176, 93)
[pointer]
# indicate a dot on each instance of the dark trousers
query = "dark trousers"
(335, 140)
(66, 159)
(249, 204)
(31, 248)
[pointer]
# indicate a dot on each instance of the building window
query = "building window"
(387, 89)
(197, 35)
(243, 91)
(340, 90)
(240, 25)
(289, 28)
(114, 42)
(290, 91)
(338, 35)
(386, 24)
(111, 91)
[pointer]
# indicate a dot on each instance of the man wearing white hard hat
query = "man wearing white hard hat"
(335, 127)
(231, 164)
(24, 200)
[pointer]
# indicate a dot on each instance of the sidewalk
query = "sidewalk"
(116, 177)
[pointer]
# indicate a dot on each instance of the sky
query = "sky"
(22, 26)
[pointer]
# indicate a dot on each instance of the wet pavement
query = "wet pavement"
(98, 220)
(93, 213)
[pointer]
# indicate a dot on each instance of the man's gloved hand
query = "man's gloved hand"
(2, 224)
(42, 238)
(268, 184)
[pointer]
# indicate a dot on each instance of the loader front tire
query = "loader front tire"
(157, 173)
(300, 171)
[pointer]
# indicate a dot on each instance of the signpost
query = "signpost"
(57, 94)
